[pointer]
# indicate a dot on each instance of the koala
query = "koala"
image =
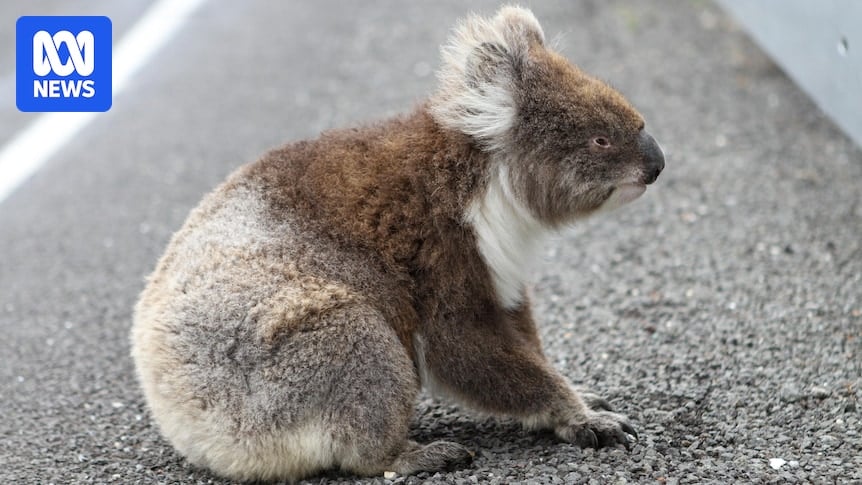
(295, 316)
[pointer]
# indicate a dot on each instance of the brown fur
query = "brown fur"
(397, 189)
(288, 325)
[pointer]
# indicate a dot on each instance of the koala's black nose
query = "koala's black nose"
(652, 155)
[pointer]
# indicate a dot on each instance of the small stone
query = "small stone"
(829, 440)
(819, 392)
(389, 475)
(790, 393)
(776, 463)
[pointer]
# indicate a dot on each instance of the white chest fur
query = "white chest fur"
(508, 236)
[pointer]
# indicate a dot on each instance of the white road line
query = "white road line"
(31, 148)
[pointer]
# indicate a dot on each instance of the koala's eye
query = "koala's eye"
(601, 141)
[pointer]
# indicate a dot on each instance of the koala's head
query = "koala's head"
(564, 143)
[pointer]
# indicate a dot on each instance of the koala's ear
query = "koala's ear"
(519, 28)
(477, 78)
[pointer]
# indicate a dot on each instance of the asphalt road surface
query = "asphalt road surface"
(722, 311)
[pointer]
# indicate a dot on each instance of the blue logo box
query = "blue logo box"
(63, 63)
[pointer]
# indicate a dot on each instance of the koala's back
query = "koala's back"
(242, 335)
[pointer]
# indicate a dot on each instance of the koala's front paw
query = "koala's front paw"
(600, 429)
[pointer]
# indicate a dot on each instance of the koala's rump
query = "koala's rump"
(246, 340)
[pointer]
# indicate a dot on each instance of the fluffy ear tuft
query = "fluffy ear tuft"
(480, 63)
(520, 26)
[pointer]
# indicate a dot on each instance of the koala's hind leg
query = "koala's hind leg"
(369, 387)
(414, 458)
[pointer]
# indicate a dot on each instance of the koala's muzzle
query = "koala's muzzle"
(652, 155)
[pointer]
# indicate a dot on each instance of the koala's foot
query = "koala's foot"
(436, 456)
(598, 430)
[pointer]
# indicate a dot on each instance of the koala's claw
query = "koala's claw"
(586, 438)
(630, 430)
(601, 429)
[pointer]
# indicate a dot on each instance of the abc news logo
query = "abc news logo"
(46, 59)
(63, 63)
